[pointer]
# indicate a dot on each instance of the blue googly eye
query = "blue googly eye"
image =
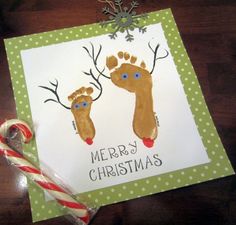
(84, 104)
(137, 75)
(77, 106)
(124, 76)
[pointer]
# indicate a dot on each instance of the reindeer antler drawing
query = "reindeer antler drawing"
(54, 91)
(98, 85)
(94, 58)
(155, 58)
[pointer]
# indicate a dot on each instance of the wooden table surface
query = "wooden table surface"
(208, 29)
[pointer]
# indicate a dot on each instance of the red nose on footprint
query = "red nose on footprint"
(148, 142)
(89, 141)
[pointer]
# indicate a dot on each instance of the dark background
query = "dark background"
(208, 29)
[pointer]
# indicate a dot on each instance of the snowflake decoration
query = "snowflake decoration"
(123, 19)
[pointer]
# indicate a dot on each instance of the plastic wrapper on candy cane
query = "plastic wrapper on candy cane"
(79, 211)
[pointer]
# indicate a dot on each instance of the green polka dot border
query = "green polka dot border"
(219, 165)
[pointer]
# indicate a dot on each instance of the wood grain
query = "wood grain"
(208, 29)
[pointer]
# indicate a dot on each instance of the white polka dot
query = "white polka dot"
(147, 181)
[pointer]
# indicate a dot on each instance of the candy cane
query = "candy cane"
(78, 210)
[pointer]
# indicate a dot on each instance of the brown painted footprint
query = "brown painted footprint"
(81, 107)
(138, 80)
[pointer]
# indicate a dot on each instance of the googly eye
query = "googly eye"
(137, 75)
(124, 76)
(77, 106)
(84, 104)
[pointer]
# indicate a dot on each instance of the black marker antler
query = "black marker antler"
(97, 85)
(155, 58)
(54, 91)
(95, 59)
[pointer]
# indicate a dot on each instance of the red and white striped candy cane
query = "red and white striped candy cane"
(78, 210)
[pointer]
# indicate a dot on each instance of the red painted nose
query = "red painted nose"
(89, 141)
(148, 142)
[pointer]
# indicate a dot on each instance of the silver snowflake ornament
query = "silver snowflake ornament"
(123, 19)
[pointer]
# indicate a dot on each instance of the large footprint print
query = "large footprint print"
(138, 80)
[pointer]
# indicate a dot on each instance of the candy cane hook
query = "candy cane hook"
(78, 210)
